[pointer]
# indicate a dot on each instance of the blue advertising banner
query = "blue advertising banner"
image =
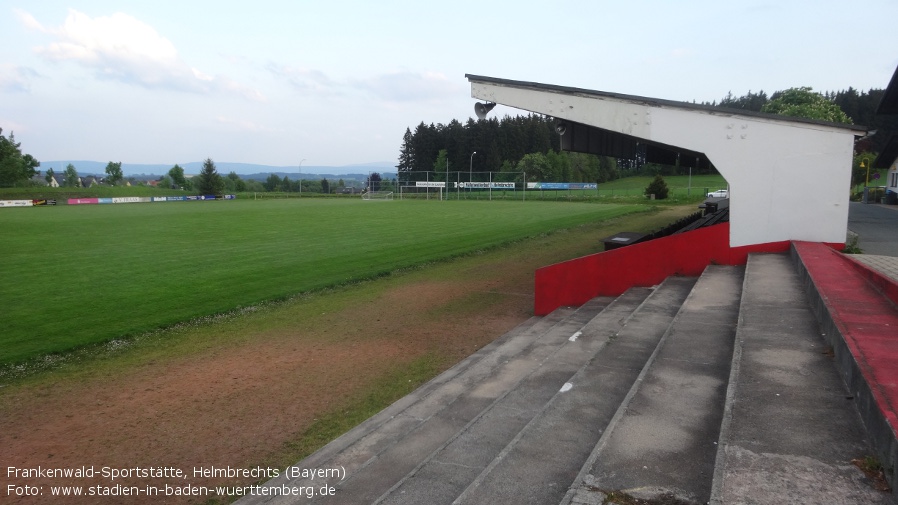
(562, 185)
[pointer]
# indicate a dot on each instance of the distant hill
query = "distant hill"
(245, 170)
(261, 176)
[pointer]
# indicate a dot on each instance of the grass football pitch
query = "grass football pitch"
(81, 275)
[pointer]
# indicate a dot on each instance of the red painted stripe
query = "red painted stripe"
(867, 320)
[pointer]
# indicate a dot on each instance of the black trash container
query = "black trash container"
(622, 239)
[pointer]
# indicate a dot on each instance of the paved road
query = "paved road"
(876, 226)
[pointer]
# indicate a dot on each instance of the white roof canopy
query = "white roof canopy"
(789, 177)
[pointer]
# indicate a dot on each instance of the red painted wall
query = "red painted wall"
(612, 272)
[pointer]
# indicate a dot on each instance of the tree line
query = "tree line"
(524, 144)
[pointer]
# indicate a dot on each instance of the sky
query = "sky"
(338, 82)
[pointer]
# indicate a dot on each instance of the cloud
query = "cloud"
(394, 87)
(410, 86)
(28, 20)
(303, 79)
(122, 48)
(15, 78)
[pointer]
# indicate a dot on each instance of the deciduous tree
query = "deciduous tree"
(804, 102)
(535, 166)
(177, 176)
(71, 176)
(373, 182)
(15, 167)
(114, 173)
(273, 182)
(239, 184)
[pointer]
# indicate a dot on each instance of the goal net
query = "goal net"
(377, 195)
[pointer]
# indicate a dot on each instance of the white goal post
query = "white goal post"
(377, 195)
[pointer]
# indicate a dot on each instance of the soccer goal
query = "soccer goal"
(377, 195)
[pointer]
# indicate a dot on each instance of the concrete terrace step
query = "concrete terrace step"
(466, 455)
(545, 457)
(791, 428)
(393, 441)
(663, 440)
(473, 453)
(393, 464)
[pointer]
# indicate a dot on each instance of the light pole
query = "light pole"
(471, 171)
(300, 177)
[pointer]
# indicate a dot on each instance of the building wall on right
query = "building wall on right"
(892, 178)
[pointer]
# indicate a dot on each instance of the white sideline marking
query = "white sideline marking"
(575, 335)
(567, 387)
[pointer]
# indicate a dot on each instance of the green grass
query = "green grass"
(79, 275)
(679, 185)
(630, 189)
(63, 194)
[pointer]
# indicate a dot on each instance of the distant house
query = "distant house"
(89, 182)
(39, 180)
(58, 180)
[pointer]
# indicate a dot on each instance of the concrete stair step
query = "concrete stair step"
(663, 438)
(791, 428)
(449, 471)
(392, 465)
(381, 473)
(544, 459)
